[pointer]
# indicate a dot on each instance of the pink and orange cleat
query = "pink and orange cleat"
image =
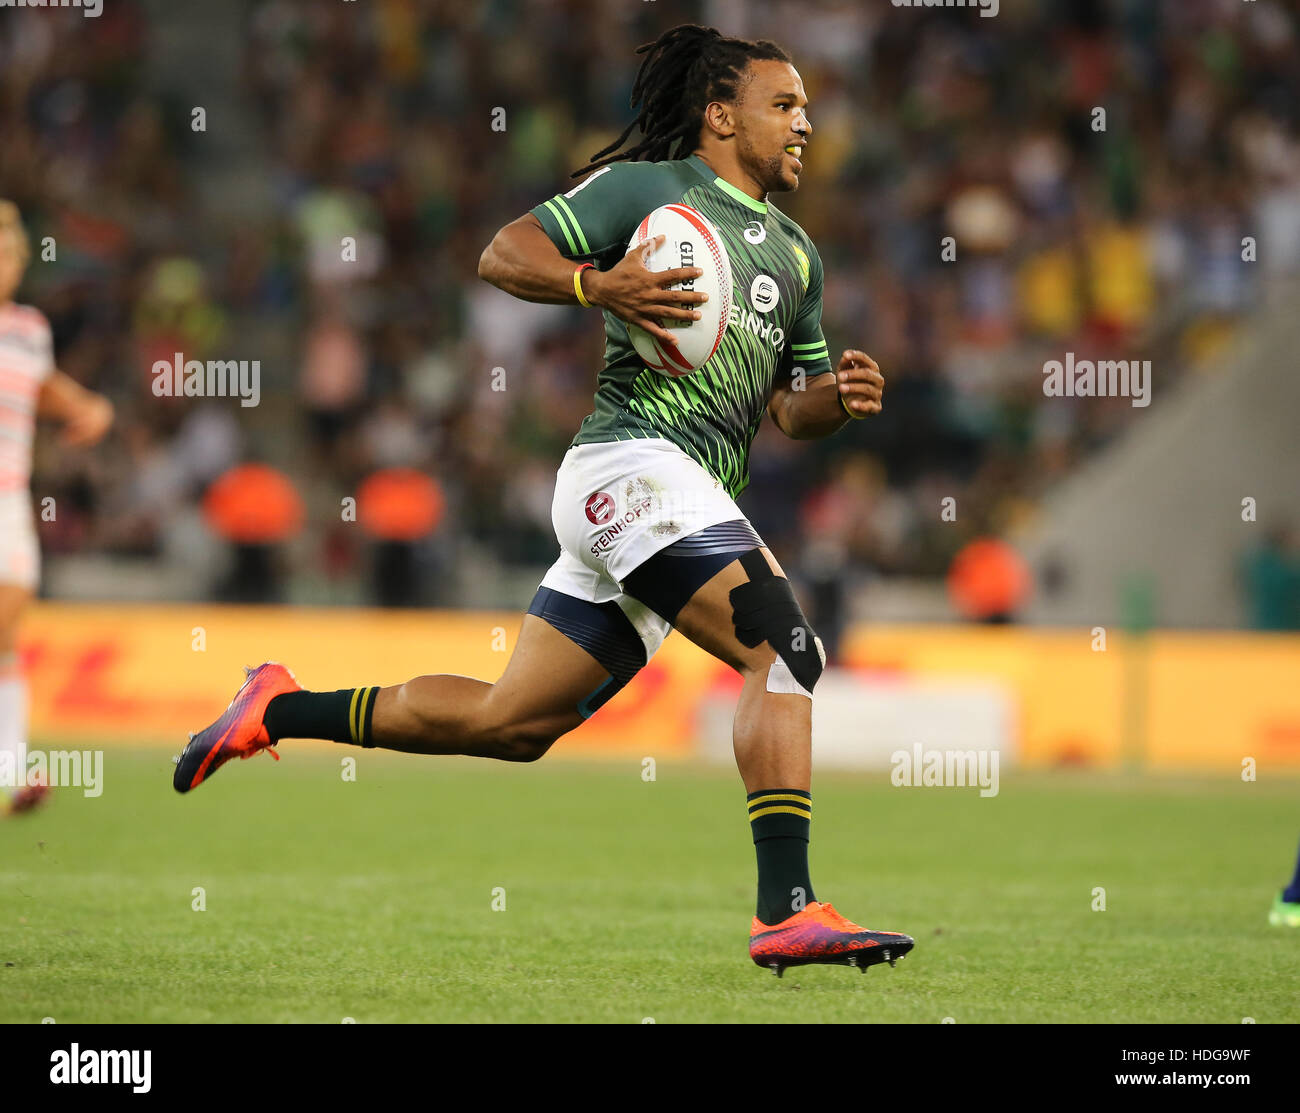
(818, 934)
(239, 732)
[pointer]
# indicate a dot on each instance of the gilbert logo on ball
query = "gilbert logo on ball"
(690, 240)
(600, 507)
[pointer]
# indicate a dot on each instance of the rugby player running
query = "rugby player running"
(650, 535)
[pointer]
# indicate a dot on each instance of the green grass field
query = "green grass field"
(625, 900)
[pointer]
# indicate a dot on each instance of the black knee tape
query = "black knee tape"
(764, 609)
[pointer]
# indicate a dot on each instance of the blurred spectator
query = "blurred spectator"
(989, 581)
(398, 507)
(369, 127)
(1270, 579)
(256, 509)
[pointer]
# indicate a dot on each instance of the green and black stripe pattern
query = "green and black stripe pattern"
(713, 414)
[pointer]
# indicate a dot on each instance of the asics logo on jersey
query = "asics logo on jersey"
(754, 232)
(764, 293)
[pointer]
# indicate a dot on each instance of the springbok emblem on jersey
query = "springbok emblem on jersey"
(805, 267)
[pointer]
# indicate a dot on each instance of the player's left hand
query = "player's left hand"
(860, 382)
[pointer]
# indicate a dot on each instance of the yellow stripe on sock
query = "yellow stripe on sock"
(773, 796)
(789, 811)
(361, 715)
(352, 713)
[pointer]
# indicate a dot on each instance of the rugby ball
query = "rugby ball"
(690, 240)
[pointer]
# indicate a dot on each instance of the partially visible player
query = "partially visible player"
(30, 386)
(1286, 905)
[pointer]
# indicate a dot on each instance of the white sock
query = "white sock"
(13, 722)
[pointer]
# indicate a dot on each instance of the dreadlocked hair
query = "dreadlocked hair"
(685, 69)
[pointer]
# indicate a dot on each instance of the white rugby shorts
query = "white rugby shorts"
(617, 503)
(20, 555)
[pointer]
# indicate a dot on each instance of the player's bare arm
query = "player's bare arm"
(85, 415)
(522, 261)
(822, 406)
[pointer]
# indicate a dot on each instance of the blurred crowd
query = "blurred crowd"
(1096, 163)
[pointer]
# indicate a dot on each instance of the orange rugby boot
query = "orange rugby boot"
(818, 934)
(239, 732)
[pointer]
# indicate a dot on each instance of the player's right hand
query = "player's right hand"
(638, 296)
(88, 422)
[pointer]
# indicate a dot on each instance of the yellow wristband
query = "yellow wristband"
(577, 283)
(845, 408)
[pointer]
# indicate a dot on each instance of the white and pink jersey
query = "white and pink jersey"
(26, 361)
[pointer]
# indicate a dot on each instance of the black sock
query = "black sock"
(342, 716)
(781, 819)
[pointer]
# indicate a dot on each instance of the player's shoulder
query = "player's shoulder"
(619, 189)
(597, 216)
(640, 173)
(805, 251)
(24, 318)
(791, 228)
(672, 179)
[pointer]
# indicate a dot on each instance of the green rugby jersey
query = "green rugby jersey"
(713, 414)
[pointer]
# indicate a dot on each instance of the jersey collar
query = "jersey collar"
(703, 169)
